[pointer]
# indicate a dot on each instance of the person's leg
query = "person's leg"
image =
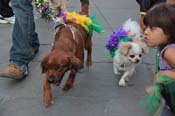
(64, 5)
(24, 40)
(84, 7)
(1, 6)
(6, 13)
(24, 37)
(5, 9)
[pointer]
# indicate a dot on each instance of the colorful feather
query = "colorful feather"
(129, 31)
(89, 24)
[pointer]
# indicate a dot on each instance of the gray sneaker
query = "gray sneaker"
(3, 21)
(10, 20)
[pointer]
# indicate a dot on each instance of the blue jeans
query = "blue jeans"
(24, 37)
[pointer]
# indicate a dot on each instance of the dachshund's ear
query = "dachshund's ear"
(76, 63)
(43, 66)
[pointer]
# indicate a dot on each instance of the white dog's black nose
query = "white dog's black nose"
(137, 60)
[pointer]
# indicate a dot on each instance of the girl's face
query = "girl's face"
(155, 36)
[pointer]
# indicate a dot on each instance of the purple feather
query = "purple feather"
(63, 14)
(113, 40)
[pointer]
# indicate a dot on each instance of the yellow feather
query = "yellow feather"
(79, 19)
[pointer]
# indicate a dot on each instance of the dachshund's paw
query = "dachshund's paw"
(47, 100)
(48, 103)
(67, 87)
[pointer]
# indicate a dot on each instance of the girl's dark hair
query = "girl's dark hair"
(162, 16)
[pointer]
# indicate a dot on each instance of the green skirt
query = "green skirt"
(162, 92)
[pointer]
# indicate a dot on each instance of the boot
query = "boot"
(15, 72)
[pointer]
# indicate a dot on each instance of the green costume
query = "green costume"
(163, 91)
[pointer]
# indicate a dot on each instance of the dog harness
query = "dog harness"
(72, 30)
(69, 26)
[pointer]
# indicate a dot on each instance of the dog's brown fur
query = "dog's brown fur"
(67, 54)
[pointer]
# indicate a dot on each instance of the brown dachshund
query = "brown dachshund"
(67, 54)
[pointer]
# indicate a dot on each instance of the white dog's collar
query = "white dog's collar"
(122, 65)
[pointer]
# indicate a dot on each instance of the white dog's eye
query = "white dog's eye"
(132, 56)
(140, 55)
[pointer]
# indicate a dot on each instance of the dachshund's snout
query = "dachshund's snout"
(51, 79)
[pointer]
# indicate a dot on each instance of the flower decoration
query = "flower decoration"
(48, 13)
(129, 31)
(44, 9)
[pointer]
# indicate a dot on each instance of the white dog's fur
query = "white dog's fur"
(126, 58)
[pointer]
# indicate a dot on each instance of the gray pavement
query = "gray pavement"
(95, 92)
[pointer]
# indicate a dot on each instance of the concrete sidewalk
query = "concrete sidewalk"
(95, 92)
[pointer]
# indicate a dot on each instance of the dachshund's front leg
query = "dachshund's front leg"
(70, 80)
(47, 95)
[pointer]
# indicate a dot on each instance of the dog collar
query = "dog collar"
(122, 65)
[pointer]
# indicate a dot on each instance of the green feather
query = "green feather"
(95, 26)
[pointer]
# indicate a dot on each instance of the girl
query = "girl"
(160, 32)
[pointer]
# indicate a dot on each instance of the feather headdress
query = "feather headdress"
(129, 31)
(88, 23)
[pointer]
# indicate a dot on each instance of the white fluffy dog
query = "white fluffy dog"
(129, 53)
(126, 47)
(126, 58)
